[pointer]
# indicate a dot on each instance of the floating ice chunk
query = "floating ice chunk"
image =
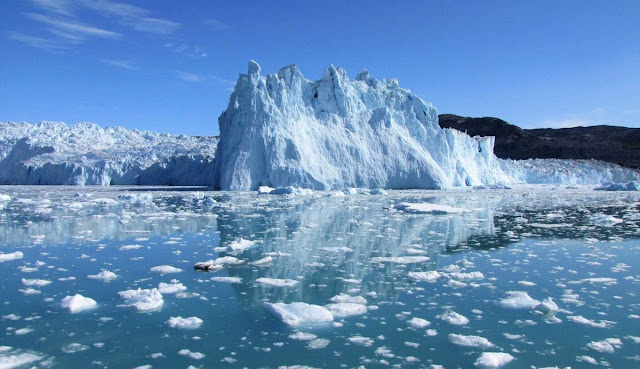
(131, 247)
(104, 276)
(191, 354)
(605, 220)
(612, 186)
(184, 323)
(418, 323)
(601, 346)
(165, 269)
(348, 298)
(429, 276)
(23, 331)
(298, 313)
(227, 279)
(427, 208)
(105, 201)
(318, 343)
(263, 261)
(11, 317)
(470, 341)
(273, 282)
(4, 197)
(11, 256)
(603, 280)
(361, 341)
(547, 306)
(401, 259)
(302, 336)
(219, 263)
(519, 300)
(209, 266)
(466, 276)
(240, 245)
(579, 319)
(378, 191)
(337, 249)
(13, 358)
(78, 303)
(142, 300)
(263, 190)
(291, 191)
(490, 360)
(73, 348)
(346, 309)
(169, 288)
(454, 318)
(35, 282)
(30, 291)
(209, 201)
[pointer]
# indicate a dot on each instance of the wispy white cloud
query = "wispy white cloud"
(123, 64)
(195, 52)
(216, 24)
(189, 77)
(73, 29)
(566, 123)
(38, 42)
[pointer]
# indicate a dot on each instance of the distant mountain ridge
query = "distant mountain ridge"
(620, 145)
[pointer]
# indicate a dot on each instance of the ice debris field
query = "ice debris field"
(132, 277)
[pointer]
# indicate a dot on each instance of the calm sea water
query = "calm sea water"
(579, 247)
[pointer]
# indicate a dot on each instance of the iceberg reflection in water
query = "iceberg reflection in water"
(540, 276)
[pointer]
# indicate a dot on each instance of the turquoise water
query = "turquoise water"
(579, 247)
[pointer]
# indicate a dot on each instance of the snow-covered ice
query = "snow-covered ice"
(142, 299)
(78, 303)
(299, 313)
(184, 323)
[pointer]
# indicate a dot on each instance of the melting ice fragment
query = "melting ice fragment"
(11, 256)
(142, 300)
(184, 323)
(519, 300)
(78, 303)
(298, 313)
(491, 360)
(165, 269)
(470, 341)
(427, 208)
(104, 276)
(273, 282)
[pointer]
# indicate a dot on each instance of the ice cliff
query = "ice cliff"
(85, 154)
(284, 130)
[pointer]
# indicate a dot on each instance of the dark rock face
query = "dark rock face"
(618, 145)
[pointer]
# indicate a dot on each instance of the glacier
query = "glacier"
(285, 133)
(53, 153)
(283, 130)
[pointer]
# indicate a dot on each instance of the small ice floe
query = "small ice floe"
(491, 360)
(344, 298)
(454, 318)
(227, 279)
(104, 201)
(586, 359)
(291, 191)
(547, 306)
(302, 336)
(170, 288)
(239, 245)
(191, 354)
(104, 276)
(264, 261)
(470, 341)
(209, 201)
(22, 332)
(401, 259)
(165, 269)
(418, 323)
(346, 309)
(137, 198)
(607, 346)
(579, 319)
(604, 220)
(361, 341)
(273, 282)
(14, 358)
(217, 264)
(142, 300)
(264, 190)
(378, 191)
(4, 197)
(613, 186)
(35, 282)
(427, 208)
(73, 348)
(131, 247)
(318, 343)
(429, 276)
(184, 323)
(11, 256)
(78, 303)
(519, 300)
(299, 313)
(337, 249)
(459, 276)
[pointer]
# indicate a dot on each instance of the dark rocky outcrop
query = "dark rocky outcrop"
(620, 145)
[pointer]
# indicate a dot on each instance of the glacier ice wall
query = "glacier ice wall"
(561, 171)
(85, 154)
(284, 130)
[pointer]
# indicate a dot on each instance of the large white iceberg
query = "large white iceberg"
(284, 130)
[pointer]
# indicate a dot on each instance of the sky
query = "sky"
(170, 66)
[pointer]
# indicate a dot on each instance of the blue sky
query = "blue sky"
(169, 66)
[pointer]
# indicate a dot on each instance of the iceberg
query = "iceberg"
(283, 131)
